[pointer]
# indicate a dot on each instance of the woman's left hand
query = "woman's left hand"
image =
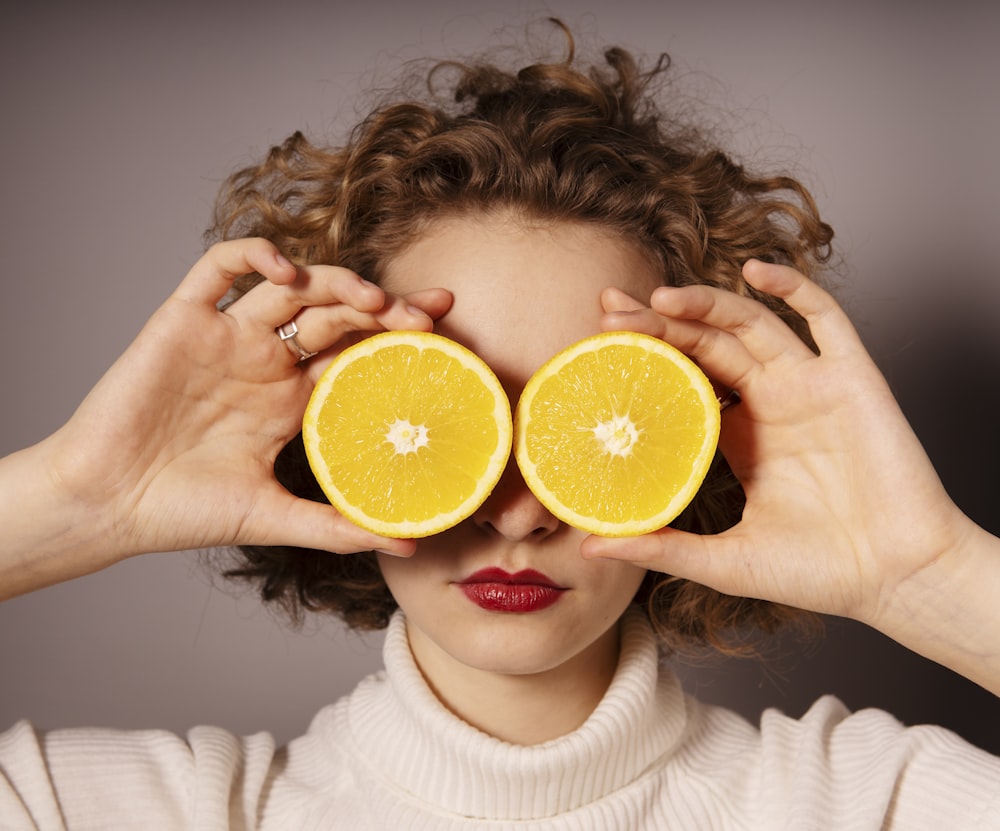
(845, 513)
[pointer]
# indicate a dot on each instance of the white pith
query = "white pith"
(406, 437)
(617, 436)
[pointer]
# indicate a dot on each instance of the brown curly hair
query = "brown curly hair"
(550, 142)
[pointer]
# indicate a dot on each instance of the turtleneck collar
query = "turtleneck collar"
(418, 746)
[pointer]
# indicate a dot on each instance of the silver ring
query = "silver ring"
(287, 332)
(730, 399)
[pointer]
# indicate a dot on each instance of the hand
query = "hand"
(843, 506)
(174, 448)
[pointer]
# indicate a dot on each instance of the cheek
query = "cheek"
(404, 576)
(615, 579)
(428, 570)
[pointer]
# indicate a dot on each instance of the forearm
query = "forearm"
(949, 612)
(48, 534)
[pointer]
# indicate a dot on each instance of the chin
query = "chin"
(511, 644)
(516, 663)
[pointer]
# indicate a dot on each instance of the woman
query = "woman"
(535, 208)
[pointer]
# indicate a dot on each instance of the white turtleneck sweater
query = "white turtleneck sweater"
(390, 756)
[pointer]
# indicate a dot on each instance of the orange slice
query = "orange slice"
(615, 434)
(407, 433)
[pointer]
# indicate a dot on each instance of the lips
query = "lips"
(496, 590)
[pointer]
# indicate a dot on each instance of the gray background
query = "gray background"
(120, 121)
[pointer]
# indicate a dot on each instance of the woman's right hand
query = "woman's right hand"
(174, 447)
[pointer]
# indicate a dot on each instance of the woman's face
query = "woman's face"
(521, 293)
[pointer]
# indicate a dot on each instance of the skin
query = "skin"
(845, 514)
(522, 293)
(174, 449)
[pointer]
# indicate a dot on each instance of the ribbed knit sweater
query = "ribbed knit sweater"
(390, 756)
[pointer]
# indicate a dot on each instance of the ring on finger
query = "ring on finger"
(288, 333)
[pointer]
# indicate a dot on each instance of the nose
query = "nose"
(513, 512)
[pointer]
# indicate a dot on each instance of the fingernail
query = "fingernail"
(389, 553)
(283, 261)
(413, 310)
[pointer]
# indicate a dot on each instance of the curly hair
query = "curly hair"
(553, 143)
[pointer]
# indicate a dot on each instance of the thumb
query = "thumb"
(279, 518)
(695, 557)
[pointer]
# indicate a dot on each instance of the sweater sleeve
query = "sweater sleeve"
(68, 780)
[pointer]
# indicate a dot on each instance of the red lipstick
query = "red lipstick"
(496, 590)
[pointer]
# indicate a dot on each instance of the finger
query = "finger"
(212, 276)
(320, 327)
(268, 306)
(828, 323)
(723, 357)
(615, 300)
(678, 553)
(282, 519)
(764, 335)
(434, 303)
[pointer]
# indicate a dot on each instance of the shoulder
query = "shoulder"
(842, 740)
(858, 767)
(90, 776)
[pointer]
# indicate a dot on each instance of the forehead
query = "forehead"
(522, 291)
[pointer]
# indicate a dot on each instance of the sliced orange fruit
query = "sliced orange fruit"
(407, 433)
(615, 434)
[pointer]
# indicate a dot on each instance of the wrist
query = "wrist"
(55, 529)
(947, 611)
